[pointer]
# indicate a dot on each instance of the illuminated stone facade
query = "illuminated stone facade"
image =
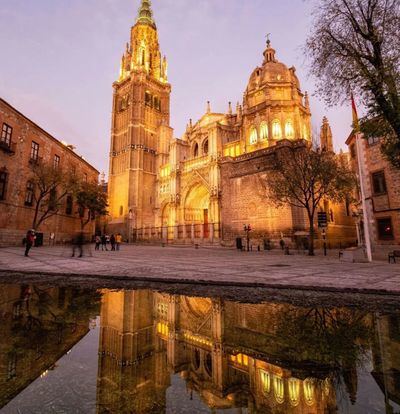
(230, 354)
(204, 186)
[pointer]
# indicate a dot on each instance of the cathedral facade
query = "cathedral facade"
(204, 186)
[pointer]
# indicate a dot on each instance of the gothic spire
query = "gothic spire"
(145, 15)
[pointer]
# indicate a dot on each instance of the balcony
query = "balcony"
(8, 148)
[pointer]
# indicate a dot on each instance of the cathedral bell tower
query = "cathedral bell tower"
(140, 131)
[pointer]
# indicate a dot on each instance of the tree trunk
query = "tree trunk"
(312, 235)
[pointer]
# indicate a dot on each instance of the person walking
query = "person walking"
(118, 240)
(112, 242)
(78, 244)
(104, 243)
(97, 241)
(29, 240)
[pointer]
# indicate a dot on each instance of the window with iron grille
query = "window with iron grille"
(3, 185)
(385, 228)
(34, 151)
(30, 188)
(379, 182)
(56, 161)
(6, 134)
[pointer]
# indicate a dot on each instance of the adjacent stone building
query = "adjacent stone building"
(23, 145)
(203, 187)
(382, 194)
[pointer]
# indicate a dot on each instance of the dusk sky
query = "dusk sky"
(59, 59)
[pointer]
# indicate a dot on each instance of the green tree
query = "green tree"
(353, 46)
(303, 177)
(50, 186)
(92, 202)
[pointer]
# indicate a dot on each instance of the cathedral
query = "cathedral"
(204, 187)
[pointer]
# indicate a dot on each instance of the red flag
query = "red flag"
(356, 125)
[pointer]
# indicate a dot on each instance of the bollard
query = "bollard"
(196, 246)
(163, 244)
(287, 252)
(258, 248)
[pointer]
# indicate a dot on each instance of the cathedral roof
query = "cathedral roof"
(272, 71)
(145, 15)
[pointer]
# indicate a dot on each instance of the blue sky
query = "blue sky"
(60, 57)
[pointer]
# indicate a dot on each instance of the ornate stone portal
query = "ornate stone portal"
(189, 189)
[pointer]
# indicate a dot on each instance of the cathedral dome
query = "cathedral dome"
(271, 71)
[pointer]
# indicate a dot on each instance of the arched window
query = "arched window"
(279, 390)
(276, 129)
(196, 150)
(205, 147)
(308, 388)
(294, 391)
(289, 130)
(263, 131)
(266, 381)
(253, 136)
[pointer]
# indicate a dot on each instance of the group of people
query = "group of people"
(115, 241)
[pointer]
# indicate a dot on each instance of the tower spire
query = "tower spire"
(145, 15)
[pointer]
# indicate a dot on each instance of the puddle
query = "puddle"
(75, 350)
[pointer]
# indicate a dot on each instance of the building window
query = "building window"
(289, 130)
(196, 150)
(121, 210)
(53, 199)
(56, 161)
(253, 136)
(276, 129)
(6, 134)
(85, 178)
(373, 140)
(379, 182)
(148, 99)
(305, 132)
(3, 185)
(385, 228)
(263, 131)
(205, 147)
(353, 151)
(12, 366)
(30, 191)
(34, 151)
(68, 207)
(157, 103)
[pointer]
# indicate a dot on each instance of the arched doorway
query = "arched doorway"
(197, 206)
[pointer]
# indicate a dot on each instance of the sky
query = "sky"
(59, 59)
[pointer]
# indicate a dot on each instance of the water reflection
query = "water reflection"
(162, 353)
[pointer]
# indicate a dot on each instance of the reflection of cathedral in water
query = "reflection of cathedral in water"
(226, 352)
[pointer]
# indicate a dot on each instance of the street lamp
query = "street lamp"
(247, 229)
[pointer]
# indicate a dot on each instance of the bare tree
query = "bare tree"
(92, 202)
(50, 186)
(354, 46)
(303, 177)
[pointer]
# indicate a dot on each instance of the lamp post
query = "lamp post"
(247, 229)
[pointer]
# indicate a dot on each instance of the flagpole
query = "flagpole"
(360, 157)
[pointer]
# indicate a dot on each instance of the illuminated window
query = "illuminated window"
(289, 130)
(263, 131)
(308, 388)
(305, 132)
(279, 390)
(240, 359)
(385, 228)
(294, 391)
(276, 129)
(253, 136)
(265, 381)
